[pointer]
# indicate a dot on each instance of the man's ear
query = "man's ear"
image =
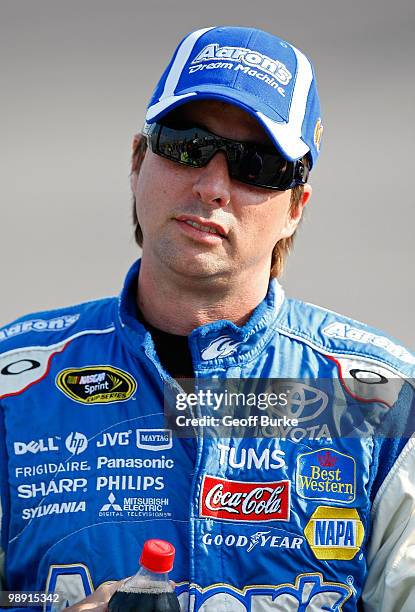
(136, 160)
(295, 214)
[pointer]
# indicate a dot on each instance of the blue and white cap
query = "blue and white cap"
(264, 75)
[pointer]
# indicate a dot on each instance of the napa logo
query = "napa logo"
(335, 533)
(326, 474)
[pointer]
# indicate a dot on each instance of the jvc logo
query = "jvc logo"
(36, 446)
(118, 438)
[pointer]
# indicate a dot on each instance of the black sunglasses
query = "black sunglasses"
(248, 162)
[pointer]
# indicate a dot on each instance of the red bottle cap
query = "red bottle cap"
(157, 556)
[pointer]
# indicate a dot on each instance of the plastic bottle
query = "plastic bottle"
(150, 589)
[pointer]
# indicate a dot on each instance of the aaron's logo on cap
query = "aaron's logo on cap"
(96, 384)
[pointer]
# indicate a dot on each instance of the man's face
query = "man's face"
(170, 197)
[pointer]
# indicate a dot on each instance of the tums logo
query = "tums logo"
(233, 500)
(220, 347)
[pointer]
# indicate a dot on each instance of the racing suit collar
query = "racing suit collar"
(218, 341)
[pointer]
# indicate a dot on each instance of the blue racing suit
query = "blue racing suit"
(303, 521)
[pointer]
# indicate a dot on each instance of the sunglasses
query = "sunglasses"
(248, 162)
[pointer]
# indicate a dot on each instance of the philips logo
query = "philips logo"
(249, 57)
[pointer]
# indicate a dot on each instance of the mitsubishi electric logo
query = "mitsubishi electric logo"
(112, 505)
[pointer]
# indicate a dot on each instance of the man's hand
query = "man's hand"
(98, 601)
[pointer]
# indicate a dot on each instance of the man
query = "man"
(307, 520)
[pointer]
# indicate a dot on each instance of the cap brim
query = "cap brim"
(288, 143)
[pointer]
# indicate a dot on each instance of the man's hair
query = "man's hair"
(281, 249)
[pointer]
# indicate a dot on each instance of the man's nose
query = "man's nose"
(213, 183)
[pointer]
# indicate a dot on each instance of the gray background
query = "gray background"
(75, 78)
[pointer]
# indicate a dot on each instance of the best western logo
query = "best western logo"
(326, 474)
(335, 533)
(96, 384)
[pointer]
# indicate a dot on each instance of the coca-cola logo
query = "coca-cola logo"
(234, 500)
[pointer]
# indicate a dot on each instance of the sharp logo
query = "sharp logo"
(54, 486)
(220, 347)
(39, 325)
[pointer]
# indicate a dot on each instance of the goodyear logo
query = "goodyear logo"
(96, 384)
(326, 474)
(335, 533)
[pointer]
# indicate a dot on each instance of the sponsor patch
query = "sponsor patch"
(309, 592)
(335, 533)
(326, 474)
(154, 439)
(96, 384)
(344, 331)
(243, 56)
(268, 539)
(56, 508)
(220, 347)
(234, 500)
(38, 325)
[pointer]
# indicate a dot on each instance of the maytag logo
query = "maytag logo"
(154, 439)
(100, 384)
(234, 500)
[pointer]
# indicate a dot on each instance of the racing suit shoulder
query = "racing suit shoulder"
(390, 367)
(339, 336)
(49, 327)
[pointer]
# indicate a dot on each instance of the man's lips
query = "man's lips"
(203, 225)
